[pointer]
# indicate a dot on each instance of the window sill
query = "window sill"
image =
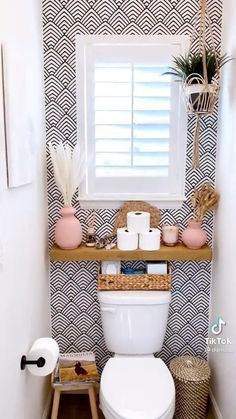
(162, 202)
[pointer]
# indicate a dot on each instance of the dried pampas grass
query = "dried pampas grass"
(204, 199)
(69, 168)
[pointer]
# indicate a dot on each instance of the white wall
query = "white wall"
(24, 294)
(224, 279)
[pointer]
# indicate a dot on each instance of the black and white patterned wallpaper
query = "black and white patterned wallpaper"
(76, 323)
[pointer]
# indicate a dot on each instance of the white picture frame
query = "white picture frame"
(17, 115)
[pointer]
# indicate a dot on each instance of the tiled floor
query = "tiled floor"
(76, 406)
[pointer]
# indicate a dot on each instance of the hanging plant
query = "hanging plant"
(199, 73)
(191, 63)
(189, 69)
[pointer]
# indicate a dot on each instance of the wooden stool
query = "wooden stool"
(90, 388)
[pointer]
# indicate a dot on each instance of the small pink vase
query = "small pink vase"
(194, 237)
(68, 231)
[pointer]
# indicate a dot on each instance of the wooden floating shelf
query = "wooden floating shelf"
(179, 252)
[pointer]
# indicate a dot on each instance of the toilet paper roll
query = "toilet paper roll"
(150, 240)
(49, 350)
(160, 268)
(138, 221)
(110, 267)
(126, 240)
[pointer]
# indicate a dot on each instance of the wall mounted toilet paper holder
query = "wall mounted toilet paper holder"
(40, 362)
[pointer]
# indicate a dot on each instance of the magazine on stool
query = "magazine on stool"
(76, 367)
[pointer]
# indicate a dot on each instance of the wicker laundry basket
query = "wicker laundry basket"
(191, 376)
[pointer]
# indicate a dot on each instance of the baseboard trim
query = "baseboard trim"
(48, 405)
(216, 411)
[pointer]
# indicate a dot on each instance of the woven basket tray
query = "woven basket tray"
(121, 220)
(143, 282)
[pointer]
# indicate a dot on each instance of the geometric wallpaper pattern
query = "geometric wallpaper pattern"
(76, 323)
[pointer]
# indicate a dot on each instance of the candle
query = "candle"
(170, 234)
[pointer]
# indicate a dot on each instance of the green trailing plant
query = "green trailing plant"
(192, 63)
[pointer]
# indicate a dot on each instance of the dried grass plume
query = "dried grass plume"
(69, 169)
(204, 198)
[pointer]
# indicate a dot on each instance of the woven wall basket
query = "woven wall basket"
(192, 377)
(200, 98)
(121, 220)
(144, 282)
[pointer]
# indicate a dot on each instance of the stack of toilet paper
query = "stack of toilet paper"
(138, 233)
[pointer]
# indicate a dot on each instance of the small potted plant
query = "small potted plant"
(199, 73)
(203, 200)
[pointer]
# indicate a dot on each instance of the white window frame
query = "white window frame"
(178, 152)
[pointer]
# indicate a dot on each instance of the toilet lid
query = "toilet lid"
(137, 388)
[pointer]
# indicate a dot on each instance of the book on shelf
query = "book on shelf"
(76, 367)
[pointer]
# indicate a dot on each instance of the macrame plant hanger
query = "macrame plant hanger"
(200, 95)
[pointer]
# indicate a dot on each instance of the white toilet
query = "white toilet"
(135, 384)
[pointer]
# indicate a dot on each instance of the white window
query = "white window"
(131, 119)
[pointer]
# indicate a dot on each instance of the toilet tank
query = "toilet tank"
(134, 322)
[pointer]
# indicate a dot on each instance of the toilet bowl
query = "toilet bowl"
(137, 388)
(135, 384)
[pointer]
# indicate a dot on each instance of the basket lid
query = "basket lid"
(190, 368)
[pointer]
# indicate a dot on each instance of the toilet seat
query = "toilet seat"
(137, 388)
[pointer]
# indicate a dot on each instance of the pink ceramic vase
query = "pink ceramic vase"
(194, 236)
(68, 231)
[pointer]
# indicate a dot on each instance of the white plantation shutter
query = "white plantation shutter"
(129, 117)
(132, 120)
